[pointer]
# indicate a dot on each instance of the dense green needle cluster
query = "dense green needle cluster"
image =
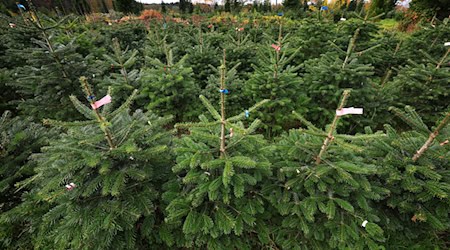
(224, 132)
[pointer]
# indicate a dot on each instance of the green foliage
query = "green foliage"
(275, 79)
(216, 202)
(428, 83)
(325, 204)
(128, 6)
(170, 88)
(50, 73)
(417, 207)
(115, 162)
(124, 76)
(19, 139)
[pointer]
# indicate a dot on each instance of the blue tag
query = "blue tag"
(225, 91)
(20, 6)
(280, 13)
(247, 113)
(324, 8)
(91, 97)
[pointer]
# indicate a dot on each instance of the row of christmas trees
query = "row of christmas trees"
(119, 176)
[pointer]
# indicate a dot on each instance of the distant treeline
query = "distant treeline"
(74, 6)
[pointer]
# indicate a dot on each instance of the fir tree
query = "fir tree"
(171, 88)
(216, 200)
(275, 79)
(428, 83)
(416, 171)
(49, 75)
(340, 69)
(101, 179)
(124, 76)
(234, 86)
(324, 194)
(19, 139)
(201, 57)
(241, 51)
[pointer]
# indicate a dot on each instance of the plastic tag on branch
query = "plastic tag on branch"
(349, 111)
(101, 102)
(364, 223)
(276, 47)
(447, 44)
(70, 186)
(21, 6)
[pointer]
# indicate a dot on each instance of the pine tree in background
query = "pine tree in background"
(170, 88)
(275, 79)
(428, 83)
(323, 192)
(416, 171)
(124, 76)
(215, 202)
(19, 138)
(49, 75)
(101, 179)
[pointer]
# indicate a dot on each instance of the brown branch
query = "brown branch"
(222, 106)
(330, 136)
(100, 118)
(431, 138)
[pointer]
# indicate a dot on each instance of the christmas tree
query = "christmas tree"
(19, 139)
(170, 88)
(50, 73)
(100, 180)
(275, 79)
(416, 171)
(323, 193)
(216, 202)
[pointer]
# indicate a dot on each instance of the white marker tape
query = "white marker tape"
(364, 223)
(447, 44)
(349, 111)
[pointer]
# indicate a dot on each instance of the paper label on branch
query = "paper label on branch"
(276, 47)
(349, 111)
(70, 186)
(101, 102)
(364, 223)
(343, 19)
(447, 44)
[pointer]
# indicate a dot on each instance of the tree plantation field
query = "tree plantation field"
(225, 131)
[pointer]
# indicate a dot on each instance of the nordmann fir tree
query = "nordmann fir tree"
(201, 57)
(170, 88)
(124, 76)
(340, 69)
(241, 51)
(51, 73)
(323, 192)
(215, 202)
(19, 138)
(234, 85)
(429, 84)
(275, 79)
(102, 178)
(416, 170)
